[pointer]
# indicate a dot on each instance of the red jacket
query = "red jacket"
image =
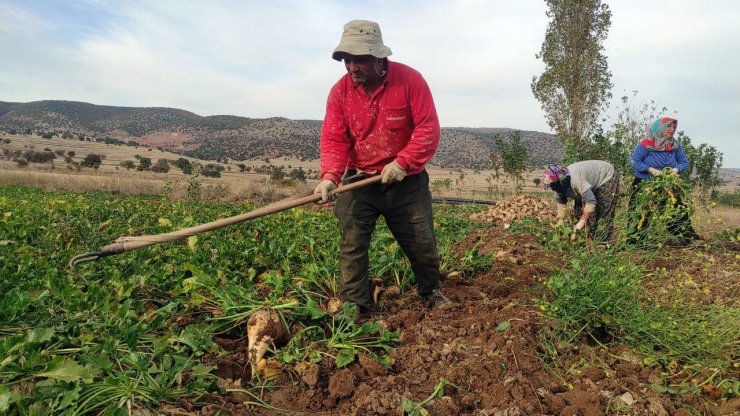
(398, 122)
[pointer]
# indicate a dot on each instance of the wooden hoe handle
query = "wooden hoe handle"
(128, 243)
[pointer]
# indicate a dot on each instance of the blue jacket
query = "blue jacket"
(644, 157)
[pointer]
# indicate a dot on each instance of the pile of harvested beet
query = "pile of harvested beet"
(516, 208)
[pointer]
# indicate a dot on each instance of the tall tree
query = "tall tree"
(576, 84)
(513, 157)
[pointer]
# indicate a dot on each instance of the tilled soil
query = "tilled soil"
(502, 372)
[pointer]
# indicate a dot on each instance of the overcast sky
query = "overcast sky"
(273, 58)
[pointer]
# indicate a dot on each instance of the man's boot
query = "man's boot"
(435, 299)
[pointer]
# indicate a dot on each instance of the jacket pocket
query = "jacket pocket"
(396, 118)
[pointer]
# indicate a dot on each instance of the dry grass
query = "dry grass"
(713, 219)
(115, 154)
(234, 186)
(175, 187)
(82, 182)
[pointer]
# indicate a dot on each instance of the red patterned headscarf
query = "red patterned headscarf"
(554, 173)
(655, 140)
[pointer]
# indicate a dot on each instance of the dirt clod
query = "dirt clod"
(341, 384)
(309, 372)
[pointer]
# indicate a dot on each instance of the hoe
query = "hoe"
(128, 243)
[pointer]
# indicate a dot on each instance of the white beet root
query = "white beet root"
(263, 330)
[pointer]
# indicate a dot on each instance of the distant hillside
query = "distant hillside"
(235, 137)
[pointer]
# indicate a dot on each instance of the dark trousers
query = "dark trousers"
(606, 201)
(407, 208)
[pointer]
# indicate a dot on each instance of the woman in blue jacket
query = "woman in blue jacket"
(658, 151)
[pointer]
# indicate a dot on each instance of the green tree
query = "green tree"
(184, 165)
(632, 121)
(598, 146)
(162, 166)
(298, 174)
(513, 157)
(92, 161)
(277, 173)
(212, 170)
(575, 86)
(705, 161)
(439, 185)
(145, 163)
(128, 164)
(39, 157)
(494, 177)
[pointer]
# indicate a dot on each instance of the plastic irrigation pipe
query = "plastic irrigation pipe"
(128, 243)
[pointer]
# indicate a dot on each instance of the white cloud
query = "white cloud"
(263, 59)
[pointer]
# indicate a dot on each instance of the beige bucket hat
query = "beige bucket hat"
(361, 37)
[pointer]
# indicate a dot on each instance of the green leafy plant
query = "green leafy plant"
(345, 339)
(557, 238)
(601, 295)
(729, 234)
(411, 408)
(348, 338)
(594, 292)
(67, 343)
(656, 210)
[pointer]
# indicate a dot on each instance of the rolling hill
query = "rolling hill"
(241, 138)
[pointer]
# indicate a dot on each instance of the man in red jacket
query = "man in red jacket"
(380, 117)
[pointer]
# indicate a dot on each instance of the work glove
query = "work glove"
(654, 172)
(579, 226)
(674, 171)
(324, 188)
(392, 172)
(589, 208)
(562, 211)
